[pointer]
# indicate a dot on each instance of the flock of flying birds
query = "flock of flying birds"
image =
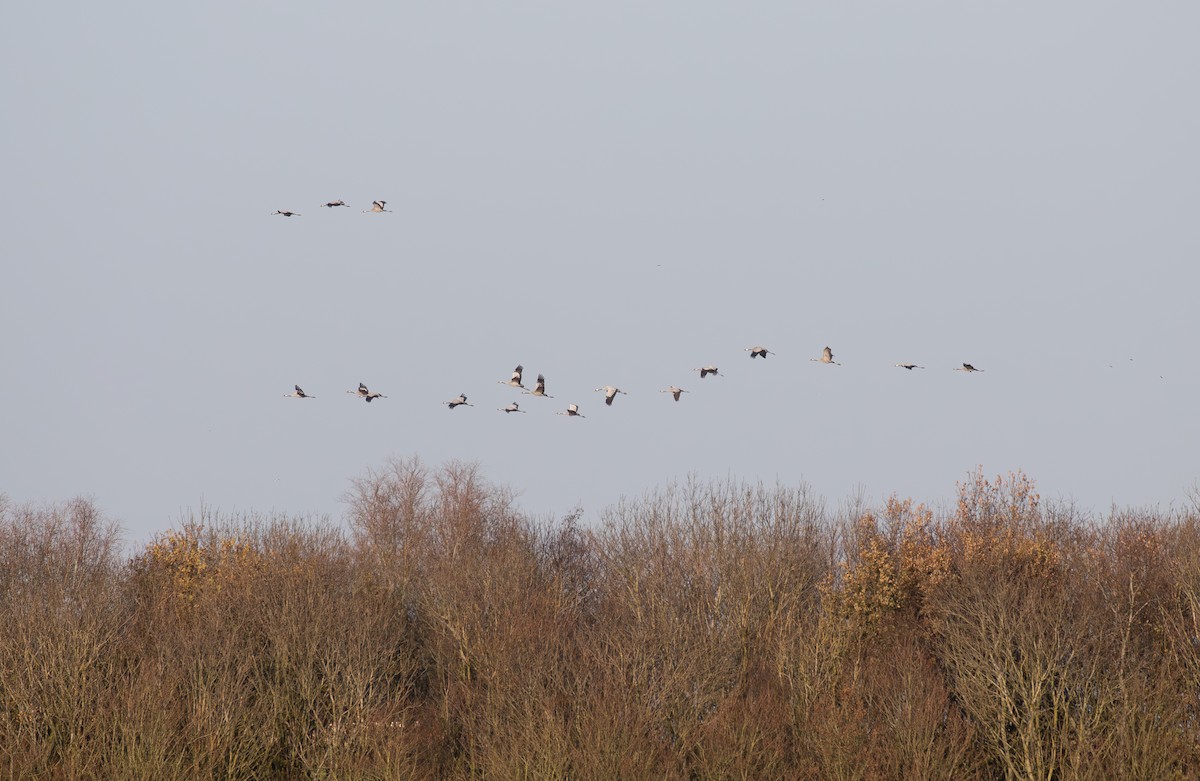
(610, 391)
(376, 206)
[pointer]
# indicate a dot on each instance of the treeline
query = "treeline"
(709, 631)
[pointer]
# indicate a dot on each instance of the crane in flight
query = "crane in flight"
(966, 367)
(758, 351)
(514, 407)
(286, 213)
(826, 357)
(338, 202)
(673, 391)
(610, 393)
(909, 366)
(515, 380)
(365, 394)
(540, 389)
(572, 411)
(377, 206)
(459, 401)
(707, 370)
(298, 394)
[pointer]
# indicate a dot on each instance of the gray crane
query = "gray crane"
(460, 401)
(366, 395)
(540, 389)
(515, 380)
(826, 357)
(673, 391)
(610, 393)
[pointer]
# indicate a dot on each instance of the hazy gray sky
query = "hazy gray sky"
(608, 193)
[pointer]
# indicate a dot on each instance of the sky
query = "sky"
(610, 194)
